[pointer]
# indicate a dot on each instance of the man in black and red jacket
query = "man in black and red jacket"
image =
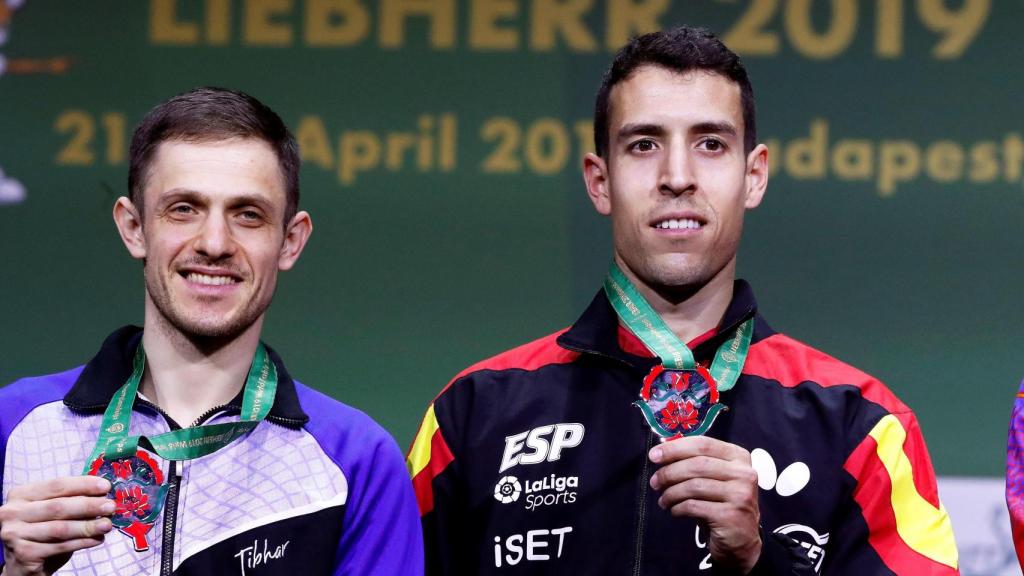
(612, 447)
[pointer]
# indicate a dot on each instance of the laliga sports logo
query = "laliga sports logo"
(507, 490)
(548, 491)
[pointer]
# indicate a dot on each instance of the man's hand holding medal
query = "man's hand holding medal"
(699, 477)
(714, 482)
(43, 524)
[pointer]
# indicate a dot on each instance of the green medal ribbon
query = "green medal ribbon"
(679, 397)
(645, 323)
(114, 442)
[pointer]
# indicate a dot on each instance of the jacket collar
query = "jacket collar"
(596, 331)
(112, 366)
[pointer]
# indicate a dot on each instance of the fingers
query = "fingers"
(702, 467)
(59, 531)
(69, 508)
(60, 487)
(689, 447)
(737, 494)
(27, 552)
(42, 524)
(702, 509)
(714, 482)
(705, 478)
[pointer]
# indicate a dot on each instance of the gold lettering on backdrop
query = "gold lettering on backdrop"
(759, 27)
(984, 162)
(551, 17)
(218, 22)
(944, 161)
(425, 150)
(539, 147)
(899, 161)
(440, 15)
(398, 144)
(359, 151)
(852, 160)
(336, 22)
(833, 41)
(314, 145)
(889, 24)
(894, 162)
(805, 157)
(1013, 156)
(164, 26)
(484, 31)
(261, 26)
(432, 146)
(628, 18)
(449, 132)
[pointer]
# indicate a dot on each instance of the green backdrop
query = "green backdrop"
(442, 143)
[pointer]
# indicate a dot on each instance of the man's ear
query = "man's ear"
(295, 237)
(595, 175)
(129, 225)
(757, 176)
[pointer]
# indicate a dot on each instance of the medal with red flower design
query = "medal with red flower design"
(138, 489)
(679, 402)
(137, 483)
(679, 397)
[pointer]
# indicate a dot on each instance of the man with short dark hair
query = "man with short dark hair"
(670, 430)
(189, 437)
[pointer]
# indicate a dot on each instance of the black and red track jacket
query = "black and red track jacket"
(535, 462)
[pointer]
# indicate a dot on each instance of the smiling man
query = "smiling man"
(185, 447)
(670, 430)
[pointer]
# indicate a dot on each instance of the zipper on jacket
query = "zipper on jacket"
(641, 515)
(170, 519)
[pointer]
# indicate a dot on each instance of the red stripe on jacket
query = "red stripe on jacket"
(440, 457)
(874, 496)
(790, 362)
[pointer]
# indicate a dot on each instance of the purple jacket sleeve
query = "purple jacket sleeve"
(20, 398)
(382, 534)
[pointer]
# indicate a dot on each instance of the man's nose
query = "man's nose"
(214, 239)
(677, 175)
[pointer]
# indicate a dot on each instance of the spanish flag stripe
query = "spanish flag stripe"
(428, 457)
(419, 452)
(917, 454)
(909, 534)
(422, 483)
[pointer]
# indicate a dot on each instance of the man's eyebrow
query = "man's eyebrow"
(714, 128)
(635, 129)
(651, 129)
(251, 200)
(178, 194)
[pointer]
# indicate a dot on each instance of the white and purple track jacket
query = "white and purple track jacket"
(317, 488)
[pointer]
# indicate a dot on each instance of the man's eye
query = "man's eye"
(643, 145)
(712, 145)
(250, 216)
(182, 209)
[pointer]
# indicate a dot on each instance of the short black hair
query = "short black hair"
(211, 114)
(682, 49)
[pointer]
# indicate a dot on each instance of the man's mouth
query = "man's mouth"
(210, 280)
(678, 224)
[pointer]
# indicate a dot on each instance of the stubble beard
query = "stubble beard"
(677, 278)
(205, 330)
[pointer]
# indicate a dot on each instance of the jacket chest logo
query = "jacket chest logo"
(540, 444)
